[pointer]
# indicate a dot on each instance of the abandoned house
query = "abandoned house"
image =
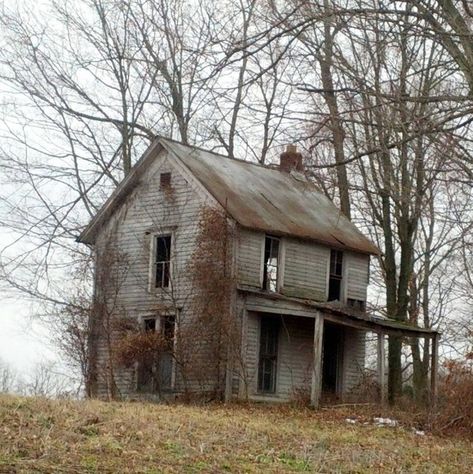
(294, 303)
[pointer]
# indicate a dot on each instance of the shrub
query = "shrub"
(454, 414)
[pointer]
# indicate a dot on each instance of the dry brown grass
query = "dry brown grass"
(38, 435)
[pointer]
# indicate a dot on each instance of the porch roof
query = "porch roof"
(345, 315)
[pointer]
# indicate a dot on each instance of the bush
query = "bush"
(454, 414)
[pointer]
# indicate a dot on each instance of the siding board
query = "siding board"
(305, 269)
(357, 275)
(250, 246)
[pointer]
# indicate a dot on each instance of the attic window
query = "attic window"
(336, 274)
(165, 180)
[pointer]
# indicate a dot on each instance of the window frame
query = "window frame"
(277, 323)
(279, 267)
(153, 236)
(159, 326)
(341, 277)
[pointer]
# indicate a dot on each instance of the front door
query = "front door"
(332, 357)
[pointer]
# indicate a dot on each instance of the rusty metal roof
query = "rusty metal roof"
(266, 199)
(257, 197)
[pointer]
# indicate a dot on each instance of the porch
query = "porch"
(295, 348)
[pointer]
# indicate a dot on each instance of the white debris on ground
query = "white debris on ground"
(385, 422)
(388, 422)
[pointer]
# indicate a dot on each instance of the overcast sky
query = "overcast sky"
(23, 341)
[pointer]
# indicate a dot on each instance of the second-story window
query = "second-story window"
(162, 261)
(271, 263)
(336, 274)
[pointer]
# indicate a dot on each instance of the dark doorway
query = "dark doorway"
(332, 357)
(268, 355)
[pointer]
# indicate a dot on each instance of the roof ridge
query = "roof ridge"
(240, 160)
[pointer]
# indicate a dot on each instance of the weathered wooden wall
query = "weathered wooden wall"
(357, 275)
(304, 267)
(354, 358)
(295, 357)
(147, 211)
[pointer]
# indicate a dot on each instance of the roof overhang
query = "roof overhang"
(347, 316)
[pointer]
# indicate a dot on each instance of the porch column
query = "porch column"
(381, 367)
(434, 369)
(316, 385)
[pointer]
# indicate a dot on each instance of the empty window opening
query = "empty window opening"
(162, 261)
(271, 263)
(335, 277)
(357, 304)
(268, 355)
(146, 367)
(165, 180)
(155, 373)
(149, 324)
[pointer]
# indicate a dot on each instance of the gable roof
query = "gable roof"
(270, 200)
(256, 196)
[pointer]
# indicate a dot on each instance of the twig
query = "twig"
(451, 422)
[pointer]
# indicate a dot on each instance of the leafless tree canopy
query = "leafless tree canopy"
(378, 94)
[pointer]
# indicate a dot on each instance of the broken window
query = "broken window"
(165, 180)
(162, 261)
(268, 355)
(155, 372)
(145, 375)
(336, 274)
(271, 263)
(166, 358)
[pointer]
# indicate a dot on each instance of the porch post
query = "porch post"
(316, 385)
(434, 368)
(381, 367)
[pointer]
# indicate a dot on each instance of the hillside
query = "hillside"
(43, 436)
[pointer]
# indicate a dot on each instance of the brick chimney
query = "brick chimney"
(291, 160)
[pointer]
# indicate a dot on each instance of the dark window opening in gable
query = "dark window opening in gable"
(268, 355)
(162, 261)
(165, 180)
(155, 372)
(271, 263)
(336, 274)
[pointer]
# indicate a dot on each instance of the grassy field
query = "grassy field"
(44, 436)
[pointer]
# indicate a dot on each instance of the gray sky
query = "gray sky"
(23, 341)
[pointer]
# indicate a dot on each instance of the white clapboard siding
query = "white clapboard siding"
(252, 351)
(250, 247)
(148, 210)
(295, 356)
(305, 269)
(357, 275)
(354, 358)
